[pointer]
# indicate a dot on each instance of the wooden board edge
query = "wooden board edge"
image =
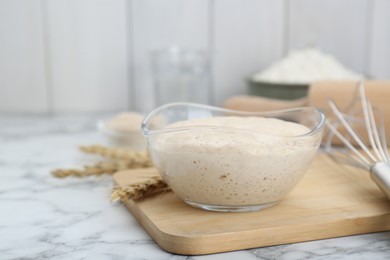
(225, 242)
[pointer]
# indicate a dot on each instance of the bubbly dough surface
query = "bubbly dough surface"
(211, 161)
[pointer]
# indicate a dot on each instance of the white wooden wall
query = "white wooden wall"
(93, 55)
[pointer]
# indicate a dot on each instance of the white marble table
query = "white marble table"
(43, 217)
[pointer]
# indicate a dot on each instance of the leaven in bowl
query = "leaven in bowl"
(220, 167)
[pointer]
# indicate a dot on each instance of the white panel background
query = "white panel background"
(160, 24)
(338, 27)
(248, 36)
(93, 55)
(380, 45)
(87, 52)
(22, 68)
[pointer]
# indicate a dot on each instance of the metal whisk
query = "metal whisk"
(376, 160)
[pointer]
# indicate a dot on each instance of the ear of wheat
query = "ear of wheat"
(117, 159)
(137, 191)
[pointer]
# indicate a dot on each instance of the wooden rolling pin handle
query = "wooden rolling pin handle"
(260, 104)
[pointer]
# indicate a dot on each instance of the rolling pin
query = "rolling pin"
(343, 92)
(260, 104)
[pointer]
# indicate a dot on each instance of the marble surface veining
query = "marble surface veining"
(42, 217)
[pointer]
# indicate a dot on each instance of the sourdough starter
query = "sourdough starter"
(233, 161)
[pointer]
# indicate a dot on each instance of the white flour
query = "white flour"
(233, 167)
(304, 67)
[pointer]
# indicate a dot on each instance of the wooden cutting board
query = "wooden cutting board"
(330, 201)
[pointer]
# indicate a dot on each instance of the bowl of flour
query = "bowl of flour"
(290, 77)
(225, 160)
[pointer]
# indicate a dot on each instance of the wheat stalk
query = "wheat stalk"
(118, 159)
(105, 167)
(138, 158)
(137, 191)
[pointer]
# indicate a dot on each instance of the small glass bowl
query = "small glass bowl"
(132, 140)
(243, 170)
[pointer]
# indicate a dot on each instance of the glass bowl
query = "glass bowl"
(216, 165)
(132, 140)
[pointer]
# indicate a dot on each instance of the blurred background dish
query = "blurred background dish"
(123, 130)
(286, 91)
(290, 77)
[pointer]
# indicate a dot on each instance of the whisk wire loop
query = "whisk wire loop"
(378, 148)
(371, 128)
(376, 162)
(359, 157)
(352, 133)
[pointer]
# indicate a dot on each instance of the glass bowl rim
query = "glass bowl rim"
(319, 126)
